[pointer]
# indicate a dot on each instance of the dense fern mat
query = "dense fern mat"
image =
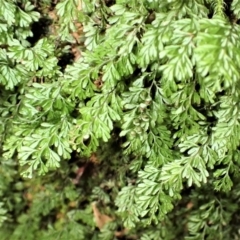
(120, 119)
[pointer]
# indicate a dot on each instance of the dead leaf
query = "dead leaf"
(29, 196)
(72, 204)
(94, 159)
(189, 205)
(76, 36)
(98, 83)
(100, 219)
(76, 52)
(79, 173)
(60, 215)
(52, 15)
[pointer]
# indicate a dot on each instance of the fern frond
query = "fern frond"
(218, 7)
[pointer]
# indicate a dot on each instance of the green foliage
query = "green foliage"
(130, 104)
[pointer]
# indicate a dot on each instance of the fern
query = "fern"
(132, 105)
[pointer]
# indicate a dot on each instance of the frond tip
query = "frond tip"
(218, 7)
